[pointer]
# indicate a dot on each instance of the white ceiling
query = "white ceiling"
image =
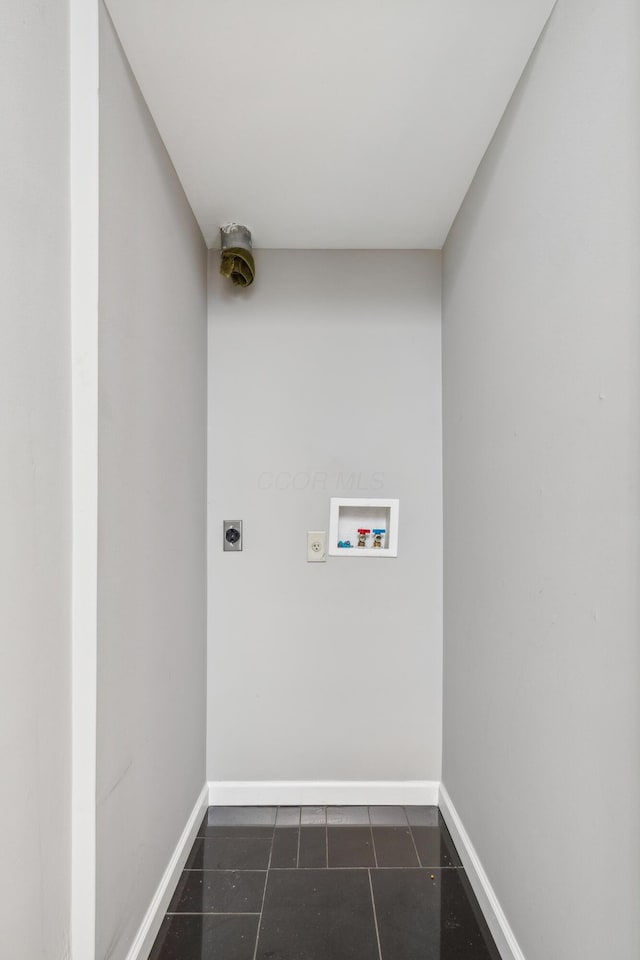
(328, 123)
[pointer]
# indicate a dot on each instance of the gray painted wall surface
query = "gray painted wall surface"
(152, 508)
(35, 482)
(541, 370)
(324, 380)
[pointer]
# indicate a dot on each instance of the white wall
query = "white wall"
(152, 508)
(328, 367)
(35, 483)
(541, 426)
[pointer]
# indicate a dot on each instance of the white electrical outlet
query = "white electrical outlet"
(316, 546)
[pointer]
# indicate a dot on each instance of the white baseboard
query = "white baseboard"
(148, 931)
(503, 935)
(253, 793)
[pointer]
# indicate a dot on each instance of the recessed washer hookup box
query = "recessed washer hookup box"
(363, 527)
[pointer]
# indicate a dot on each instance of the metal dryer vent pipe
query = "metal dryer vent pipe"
(236, 257)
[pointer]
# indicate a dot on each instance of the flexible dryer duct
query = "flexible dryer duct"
(236, 258)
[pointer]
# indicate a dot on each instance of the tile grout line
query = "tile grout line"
(299, 829)
(373, 842)
(264, 892)
(413, 841)
(451, 866)
(211, 913)
(230, 836)
(326, 837)
(375, 916)
(224, 870)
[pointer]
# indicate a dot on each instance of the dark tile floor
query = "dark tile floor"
(323, 883)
